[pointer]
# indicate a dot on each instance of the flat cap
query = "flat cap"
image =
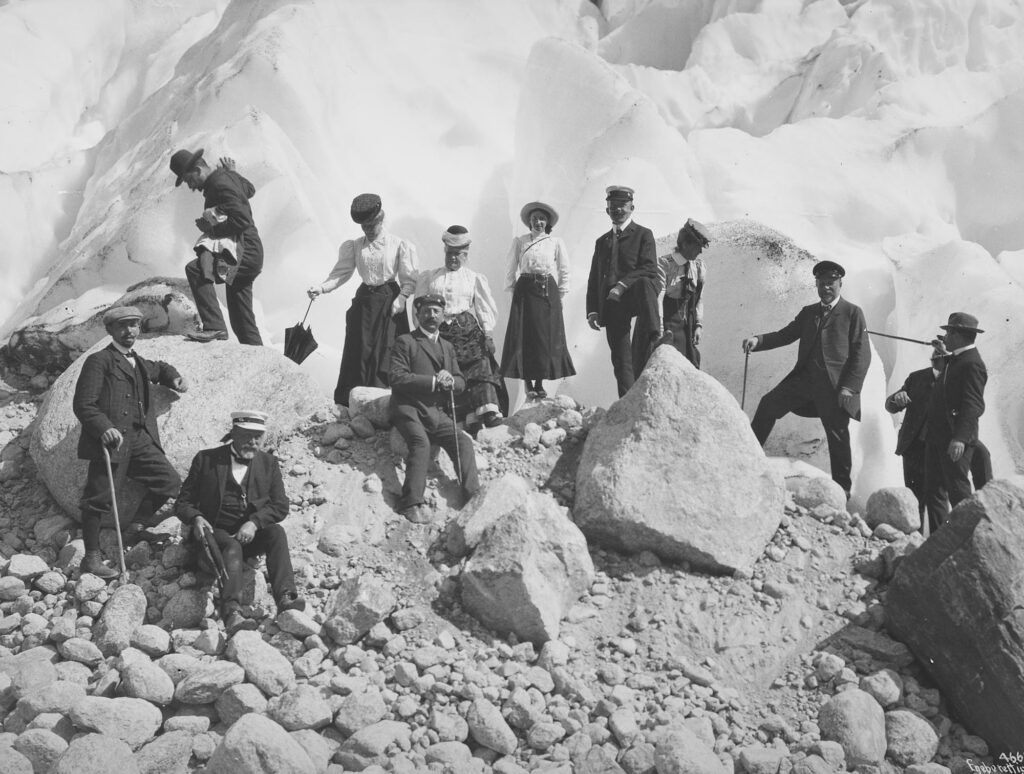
(429, 299)
(118, 313)
(365, 208)
(961, 321)
(619, 192)
(828, 270)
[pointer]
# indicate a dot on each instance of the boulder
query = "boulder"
(855, 720)
(680, 751)
(206, 683)
(372, 403)
(910, 738)
(489, 729)
(222, 376)
(368, 746)
(896, 506)
(56, 338)
(186, 608)
(42, 747)
(265, 666)
(169, 753)
(530, 564)
(96, 754)
(953, 602)
(257, 745)
(301, 707)
(124, 612)
(239, 700)
(678, 425)
(13, 762)
(542, 411)
(816, 492)
(356, 606)
(145, 680)
(133, 721)
(359, 710)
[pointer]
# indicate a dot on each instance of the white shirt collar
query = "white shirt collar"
(122, 350)
(432, 336)
(624, 226)
(832, 305)
(964, 349)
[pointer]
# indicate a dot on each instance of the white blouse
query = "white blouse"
(541, 255)
(463, 290)
(385, 259)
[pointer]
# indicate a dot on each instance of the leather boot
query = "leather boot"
(92, 563)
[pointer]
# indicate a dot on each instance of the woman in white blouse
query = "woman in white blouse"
(538, 278)
(386, 264)
(469, 318)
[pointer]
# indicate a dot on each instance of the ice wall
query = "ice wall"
(880, 133)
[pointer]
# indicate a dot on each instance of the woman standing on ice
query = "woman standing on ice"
(469, 317)
(538, 278)
(387, 266)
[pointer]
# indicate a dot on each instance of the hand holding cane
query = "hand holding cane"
(117, 519)
(743, 397)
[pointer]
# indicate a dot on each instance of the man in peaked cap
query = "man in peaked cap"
(227, 215)
(387, 266)
(113, 403)
(832, 361)
(956, 404)
(236, 492)
(682, 274)
(623, 284)
(424, 375)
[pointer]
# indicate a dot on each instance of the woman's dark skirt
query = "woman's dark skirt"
(679, 319)
(535, 345)
(484, 384)
(370, 331)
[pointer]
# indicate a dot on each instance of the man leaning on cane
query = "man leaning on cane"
(424, 375)
(112, 401)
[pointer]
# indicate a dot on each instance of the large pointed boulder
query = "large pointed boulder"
(673, 468)
(956, 602)
(222, 376)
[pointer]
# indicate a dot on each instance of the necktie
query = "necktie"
(613, 262)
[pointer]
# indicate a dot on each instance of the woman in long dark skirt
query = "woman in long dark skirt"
(538, 278)
(683, 274)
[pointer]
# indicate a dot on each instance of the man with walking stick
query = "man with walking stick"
(112, 401)
(831, 364)
(424, 378)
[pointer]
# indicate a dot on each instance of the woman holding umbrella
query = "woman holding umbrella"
(538, 278)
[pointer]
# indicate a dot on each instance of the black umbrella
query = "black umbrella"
(298, 340)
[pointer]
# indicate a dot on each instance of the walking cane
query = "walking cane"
(743, 398)
(455, 435)
(899, 338)
(117, 519)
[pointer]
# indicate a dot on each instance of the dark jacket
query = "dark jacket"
(110, 394)
(918, 386)
(203, 490)
(958, 400)
(844, 345)
(414, 361)
(229, 192)
(638, 259)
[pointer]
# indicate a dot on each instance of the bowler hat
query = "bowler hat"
(183, 162)
(431, 299)
(828, 270)
(118, 313)
(365, 208)
(524, 214)
(961, 321)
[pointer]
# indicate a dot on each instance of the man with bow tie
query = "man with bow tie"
(424, 376)
(956, 404)
(235, 491)
(832, 361)
(623, 284)
(112, 401)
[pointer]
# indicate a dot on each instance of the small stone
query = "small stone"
(488, 727)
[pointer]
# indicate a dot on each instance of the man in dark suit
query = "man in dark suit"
(832, 361)
(914, 396)
(424, 375)
(236, 492)
(957, 402)
(623, 284)
(227, 215)
(112, 402)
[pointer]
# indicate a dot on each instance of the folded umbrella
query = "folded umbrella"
(298, 340)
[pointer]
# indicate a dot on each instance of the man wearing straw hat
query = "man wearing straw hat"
(235, 491)
(956, 404)
(425, 376)
(112, 401)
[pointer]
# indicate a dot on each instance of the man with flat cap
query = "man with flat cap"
(623, 284)
(387, 266)
(682, 274)
(113, 403)
(425, 375)
(832, 361)
(913, 397)
(235, 491)
(226, 220)
(956, 404)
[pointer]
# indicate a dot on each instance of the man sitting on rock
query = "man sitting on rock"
(112, 402)
(236, 492)
(424, 376)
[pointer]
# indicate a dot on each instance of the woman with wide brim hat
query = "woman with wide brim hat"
(538, 278)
